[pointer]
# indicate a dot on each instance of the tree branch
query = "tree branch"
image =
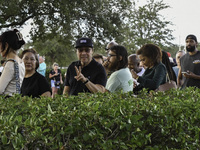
(16, 23)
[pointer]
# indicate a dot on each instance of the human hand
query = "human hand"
(134, 84)
(105, 63)
(134, 74)
(187, 74)
(61, 81)
(79, 76)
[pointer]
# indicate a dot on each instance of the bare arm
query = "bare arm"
(46, 94)
(51, 76)
(66, 90)
(61, 81)
(179, 78)
(191, 75)
(95, 87)
(91, 86)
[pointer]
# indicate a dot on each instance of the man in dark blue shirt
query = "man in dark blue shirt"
(85, 75)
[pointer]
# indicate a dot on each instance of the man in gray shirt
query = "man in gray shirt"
(189, 72)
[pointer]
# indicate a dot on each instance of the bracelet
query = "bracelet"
(86, 81)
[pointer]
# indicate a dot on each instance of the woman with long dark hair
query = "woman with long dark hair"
(155, 74)
(166, 62)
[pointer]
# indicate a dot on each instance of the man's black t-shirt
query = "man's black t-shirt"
(35, 85)
(57, 78)
(94, 71)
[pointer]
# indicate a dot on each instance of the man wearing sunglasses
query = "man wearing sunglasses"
(121, 78)
(84, 75)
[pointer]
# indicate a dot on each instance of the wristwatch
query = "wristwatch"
(86, 81)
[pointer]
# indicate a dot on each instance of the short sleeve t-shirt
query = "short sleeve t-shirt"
(57, 78)
(94, 71)
(191, 63)
(120, 80)
(35, 85)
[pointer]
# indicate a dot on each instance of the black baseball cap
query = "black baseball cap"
(84, 42)
(191, 36)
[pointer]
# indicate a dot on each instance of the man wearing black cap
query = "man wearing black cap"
(189, 72)
(85, 75)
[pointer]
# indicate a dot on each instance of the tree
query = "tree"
(61, 22)
(99, 19)
(148, 26)
(54, 51)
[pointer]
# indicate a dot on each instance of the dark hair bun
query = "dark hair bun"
(14, 39)
(19, 40)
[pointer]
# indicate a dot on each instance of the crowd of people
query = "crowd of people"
(148, 69)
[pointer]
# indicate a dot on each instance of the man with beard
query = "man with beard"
(121, 78)
(85, 75)
(189, 72)
(109, 45)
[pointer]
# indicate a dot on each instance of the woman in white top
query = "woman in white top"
(14, 69)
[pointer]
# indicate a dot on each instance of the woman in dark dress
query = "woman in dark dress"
(155, 74)
(34, 84)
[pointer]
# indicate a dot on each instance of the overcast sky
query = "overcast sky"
(184, 14)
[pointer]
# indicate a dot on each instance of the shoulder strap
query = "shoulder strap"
(168, 78)
(16, 74)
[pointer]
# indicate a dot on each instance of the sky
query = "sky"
(184, 14)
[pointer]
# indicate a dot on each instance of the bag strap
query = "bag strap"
(168, 78)
(16, 74)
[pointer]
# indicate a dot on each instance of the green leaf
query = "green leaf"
(46, 130)
(4, 139)
(50, 110)
(121, 111)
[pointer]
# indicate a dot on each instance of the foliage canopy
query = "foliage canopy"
(63, 21)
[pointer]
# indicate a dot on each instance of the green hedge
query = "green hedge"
(107, 121)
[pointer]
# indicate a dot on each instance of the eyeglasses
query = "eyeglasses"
(110, 55)
(87, 50)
